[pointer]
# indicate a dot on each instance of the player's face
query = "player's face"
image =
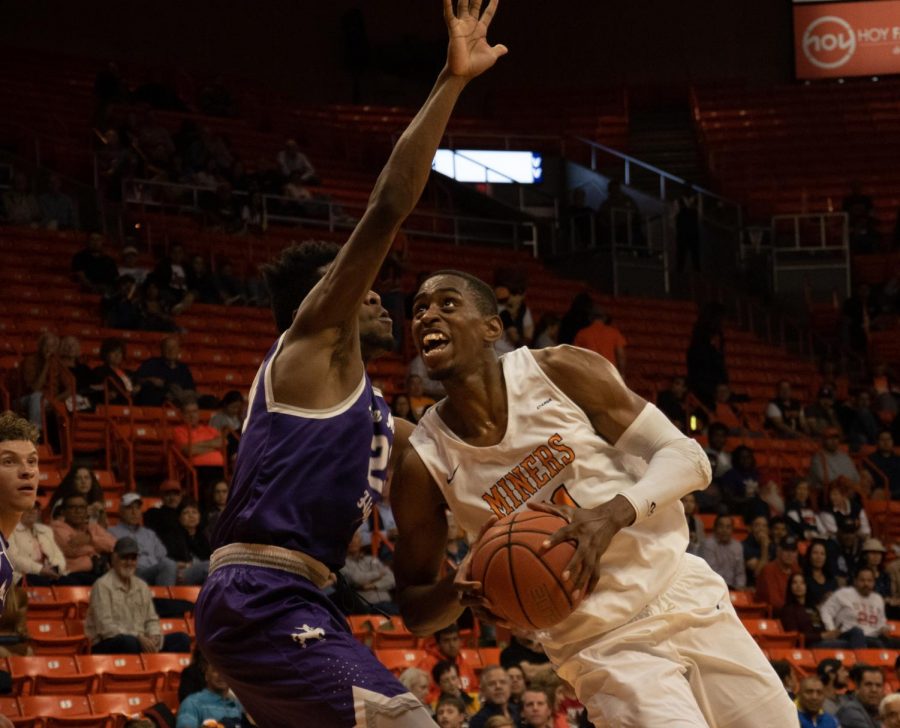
(18, 476)
(376, 334)
(448, 329)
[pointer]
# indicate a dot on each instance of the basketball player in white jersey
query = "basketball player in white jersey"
(656, 641)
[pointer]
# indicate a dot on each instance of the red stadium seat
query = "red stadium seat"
(123, 703)
(397, 659)
(803, 661)
(847, 657)
(24, 669)
(769, 633)
(393, 633)
(55, 706)
(169, 664)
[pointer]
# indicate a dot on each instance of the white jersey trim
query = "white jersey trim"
(313, 414)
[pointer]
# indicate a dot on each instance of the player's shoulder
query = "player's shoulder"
(566, 361)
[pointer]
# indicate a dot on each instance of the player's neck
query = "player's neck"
(476, 408)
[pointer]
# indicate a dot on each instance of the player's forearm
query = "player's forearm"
(428, 608)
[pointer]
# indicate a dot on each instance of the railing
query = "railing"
(713, 208)
(811, 241)
(328, 213)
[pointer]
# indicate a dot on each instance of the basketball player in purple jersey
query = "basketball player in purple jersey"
(315, 451)
(18, 485)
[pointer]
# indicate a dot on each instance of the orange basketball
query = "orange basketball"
(524, 585)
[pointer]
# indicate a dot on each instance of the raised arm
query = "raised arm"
(334, 301)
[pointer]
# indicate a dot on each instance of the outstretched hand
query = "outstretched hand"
(592, 529)
(469, 54)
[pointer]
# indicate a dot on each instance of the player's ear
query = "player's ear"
(493, 329)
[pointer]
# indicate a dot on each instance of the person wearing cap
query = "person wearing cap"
(821, 413)
(129, 265)
(831, 466)
(164, 517)
(772, 581)
(153, 565)
(84, 543)
(858, 612)
(604, 338)
(873, 555)
(121, 617)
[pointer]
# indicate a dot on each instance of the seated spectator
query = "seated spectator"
(37, 373)
(14, 638)
(526, 652)
(873, 554)
(93, 269)
(20, 206)
(122, 306)
(121, 618)
(170, 275)
(58, 210)
(800, 513)
(786, 675)
(844, 509)
(772, 580)
(784, 415)
(85, 544)
(719, 460)
(518, 322)
(576, 317)
(604, 338)
(129, 265)
(848, 552)
(862, 423)
(188, 546)
(831, 467)
(696, 532)
(810, 699)
(547, 332)
(401, 407)
(671, 403)
(201, 444)
(193, 677)
(446, 647)
(495, 697)
(164, 517)
(154, 312)
(517, 684)
(822, 413)
(745, 490)
(81, 480)
(857, 612)
(450, 712)
(123, 384)
(819, 574)
(706, 368)
(537, 709)
(889, 710)
(724, 554)
(798, 616)
(202, 283)
(884, 467)
(229, 419)
(218, 498)
(164, 376)
(292, 161)
(154, 565)
(416, 681)
(446, 679)
(728, 410)
(231, 288)
(70, 360)
(859, 709)
(34, 552)
(370, 578)
(758, 548)
(418, 399)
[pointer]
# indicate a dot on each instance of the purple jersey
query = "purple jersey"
(6, 571)
(306, 479)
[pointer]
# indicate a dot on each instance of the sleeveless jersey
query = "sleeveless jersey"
(306, 479)
(6, 572)
(551, 452)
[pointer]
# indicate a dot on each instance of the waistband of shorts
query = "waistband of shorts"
(271, 557)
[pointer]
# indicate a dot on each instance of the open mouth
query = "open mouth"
(434, 342)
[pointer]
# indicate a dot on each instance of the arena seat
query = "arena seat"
(884, 659)
(120, 673)
(56, 706)
(23, 669)
(489, 656)
(64, 684)
(847, 657)
(747, 607)
(769, 633)
(99, 720)
(803, 661)
(78, 596)
(9, 706)
(170, 664)
(51, 637)
(394, 633)
(399, 659)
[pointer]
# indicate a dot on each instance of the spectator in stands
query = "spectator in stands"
(537, 709)
(215, 702)
(858, 316)
(58, 210)
(445, 676)
(547, 332)
(122, 306)
(216, 100)
(93, 269)
(121, 617)
(202, 283)
(34, 552)
(370, 578)
(401, 407)
(450, 712)
(604, 338)
(576, 318)
(123, 383)
(85, 544)
(784, 414)
(862, 424)
(229, 416)
(883, 466)
(525, 651)
(253, 214)
(800, 513)
(36, 374)
(188, 545)
(835, 678)
(501, 721)
(672, 401)
(819, 574)
(696, 532)
(70, 361)
(810, 699)
(20, 206)
(873, 554)
(706, 367)
(758, 548)
(217, 499)
(81, 480)
(231, 288)
(418, 399)
(495, 697)
(889, 710)
(291, 161)
(201, 444)
(728, 410)
(129, 265)
(164, 376)
(860, 708)
(517, 684)
(171, 276)
(518, 322)
(844, 510)
(797, 615)
(447, 646)
(786, 674)
(772, 580)
(154, 565)
(416, 681)
(832, 468)
(745, 490)
(719, 460)
(154, 312)
(164, 517)
(724, 554)
(857, 612)
(822, 414)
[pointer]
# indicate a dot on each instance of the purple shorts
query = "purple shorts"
(287, 652)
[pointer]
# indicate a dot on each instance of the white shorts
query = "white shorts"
(685, 661)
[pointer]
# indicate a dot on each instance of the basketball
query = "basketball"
(524, 585)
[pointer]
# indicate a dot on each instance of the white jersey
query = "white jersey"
(551, 452)
(847, 608)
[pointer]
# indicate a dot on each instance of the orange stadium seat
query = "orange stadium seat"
(398, 659)
(122, 703)
(393, 633)
(88, 721)
(169, 664)
(9, 706)
(847, 657)
(803, 661)
(56, 706)
(747, 607)
(769, 633)
(79, 596)
(51, 637)
(24, 669)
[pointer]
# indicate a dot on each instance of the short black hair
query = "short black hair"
(485, 300)
(860, 668)
(293, 275)
(107, 346)
(451, 628)
(782, 668)
(451, 700)
(827, 669)
(441, 668)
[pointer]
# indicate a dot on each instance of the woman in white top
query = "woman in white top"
(34, 551)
